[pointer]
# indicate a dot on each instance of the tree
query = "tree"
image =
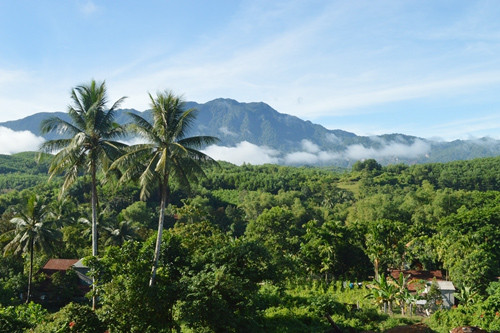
(329, 249)
(128, 303)
(92, 131)
(126, 230)
(33, 231)
(276, 230)
(384, 244)
(168, 153)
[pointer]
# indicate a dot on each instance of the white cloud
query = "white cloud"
(309, 146)
(418, 148)
(359, 152)
(12, 142)
(301, 157)
(224, 130)
(328, 156)
(333, 138)
(244, 152)
(312, 157)
(134, 141)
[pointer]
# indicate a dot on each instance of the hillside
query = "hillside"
(290, 140)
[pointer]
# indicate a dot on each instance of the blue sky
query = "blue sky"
(424, 68)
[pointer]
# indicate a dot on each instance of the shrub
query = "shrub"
(21, 317)
(72, 318)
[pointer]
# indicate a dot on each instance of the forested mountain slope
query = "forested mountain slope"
(291, 140)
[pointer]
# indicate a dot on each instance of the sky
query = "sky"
(425, 68)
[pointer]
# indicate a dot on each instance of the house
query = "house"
(64, 265)
(82, 271)
(59, 286)
(447, 288)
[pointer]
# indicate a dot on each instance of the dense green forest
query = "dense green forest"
(261, 248)
(172, 241)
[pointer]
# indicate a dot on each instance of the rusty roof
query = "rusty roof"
(59, 264)
(416, 275)
(421, 275)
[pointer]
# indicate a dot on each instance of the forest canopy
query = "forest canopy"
(242, 226)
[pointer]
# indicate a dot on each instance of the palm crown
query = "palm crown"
(91, 132)
(168, 153)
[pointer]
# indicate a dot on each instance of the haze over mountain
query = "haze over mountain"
(256, 133)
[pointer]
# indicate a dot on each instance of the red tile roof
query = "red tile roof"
(59, 264)
(421, 275)
(418, 275)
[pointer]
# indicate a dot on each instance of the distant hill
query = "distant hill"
(295, 141)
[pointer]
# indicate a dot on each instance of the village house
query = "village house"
(447, 288)
(64, 279)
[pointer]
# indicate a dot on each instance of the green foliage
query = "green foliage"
(383, 292)
(138, 212)
(65, 286)
(303, 308)
(330, 250)
(128, 304)
(34, 230)
(22, 317)
(23, 163)
(72, 318)
(369, 165)
(384, 244)
(434, 297)
(276, 229)
(12, 280)
(222, 281)
(466, 296)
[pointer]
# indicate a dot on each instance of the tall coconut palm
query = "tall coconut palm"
(90, 141)
(168, 154)
(33, 231)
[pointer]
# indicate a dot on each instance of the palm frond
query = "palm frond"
(54, 145)
(140, 122)
(198, 141)
(185, 122)
(147, 178)
(59, 125)
(116, 131)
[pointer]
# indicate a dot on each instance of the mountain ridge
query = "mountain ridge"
(291, 140)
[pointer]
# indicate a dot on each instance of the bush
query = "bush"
(72, 318)
(9, 323)
(21, 317)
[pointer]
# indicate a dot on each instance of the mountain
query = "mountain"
(290, 140)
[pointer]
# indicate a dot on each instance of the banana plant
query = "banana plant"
(383, 292)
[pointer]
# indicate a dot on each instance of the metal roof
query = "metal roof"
(445, 285)
(59, 264)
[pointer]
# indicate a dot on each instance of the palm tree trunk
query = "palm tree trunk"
(94, 229)
(375, 265)
(161, 220)
(30, 274)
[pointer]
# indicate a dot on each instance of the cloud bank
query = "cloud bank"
(311, 153)
(12, 142)
(244, 152)
(393, 149)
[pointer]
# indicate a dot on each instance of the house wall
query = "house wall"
(448, 298)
